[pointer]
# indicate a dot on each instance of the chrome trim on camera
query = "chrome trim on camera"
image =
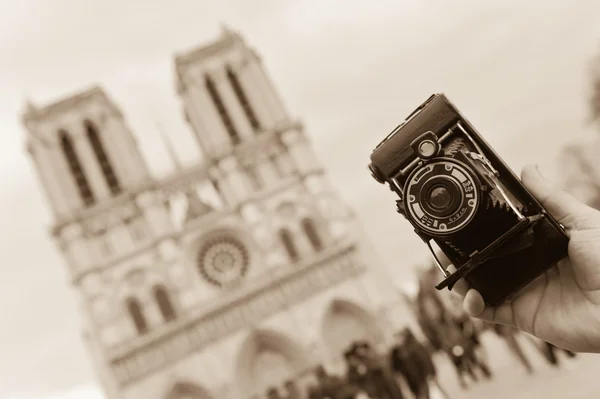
(437, 261)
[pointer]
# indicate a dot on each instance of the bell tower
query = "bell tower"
(239, 119)
(84, 137)
(266, 274)
(96, 183)
(228, 99)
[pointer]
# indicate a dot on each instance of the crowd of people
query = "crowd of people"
(561, 308)
(407, 370)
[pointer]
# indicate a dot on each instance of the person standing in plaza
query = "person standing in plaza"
(410, 359)
(291, 390)
(509, 336)
(368, 372)
(330, 386)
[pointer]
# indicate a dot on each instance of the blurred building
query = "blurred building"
(266, 274)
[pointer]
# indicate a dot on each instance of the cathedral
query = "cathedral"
(266, 273)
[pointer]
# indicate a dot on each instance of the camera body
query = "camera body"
(459, 194)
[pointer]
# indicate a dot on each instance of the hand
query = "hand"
(563, 305)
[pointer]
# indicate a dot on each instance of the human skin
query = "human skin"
(563, 305)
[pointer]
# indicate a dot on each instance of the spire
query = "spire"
(169, 145)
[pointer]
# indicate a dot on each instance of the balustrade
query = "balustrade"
(287, 289)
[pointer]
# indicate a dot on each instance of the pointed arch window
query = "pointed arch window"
(310, 230)
(218, 102)
(134, 308)
(76, 169)
(240, 93)
(288, 243)
(165, 305)
(100, 153)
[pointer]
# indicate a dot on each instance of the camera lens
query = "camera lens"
(440, 198)
(443, 196)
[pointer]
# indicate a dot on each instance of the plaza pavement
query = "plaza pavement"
(577, 378)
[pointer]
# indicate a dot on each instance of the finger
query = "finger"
(475, 307)
(473, 303)
(565, 208)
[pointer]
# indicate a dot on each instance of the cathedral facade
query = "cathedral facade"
(266, 274)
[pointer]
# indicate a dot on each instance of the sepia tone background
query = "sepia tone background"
(351, 72)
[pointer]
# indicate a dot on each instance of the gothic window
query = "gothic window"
(223, 260)
(101, 156)
(310, 230)
(225, 118)
(163, 300)
(288, 243)
(83, 186)
(242, 98)
(137, 315)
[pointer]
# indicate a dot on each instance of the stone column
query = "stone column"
(205, 109)
(57, 161)
(122, 151)
(198, 122)
(89, 162)
(255, 96)
(142, 171)
(268, 89)
(115, 146)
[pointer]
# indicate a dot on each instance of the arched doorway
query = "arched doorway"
(268, 359)
(187, 390)
(345, 323)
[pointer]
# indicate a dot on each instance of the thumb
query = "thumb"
(565, 208)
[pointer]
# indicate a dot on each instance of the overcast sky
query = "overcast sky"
(351, 70)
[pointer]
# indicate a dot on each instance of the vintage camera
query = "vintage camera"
(459, 194)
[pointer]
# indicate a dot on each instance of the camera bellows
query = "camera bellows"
(493, 218)
(458, 193)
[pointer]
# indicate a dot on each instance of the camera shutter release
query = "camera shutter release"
(427, 148)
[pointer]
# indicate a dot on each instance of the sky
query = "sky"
(351, 71)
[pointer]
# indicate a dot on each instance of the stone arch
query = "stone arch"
(345, 322)
(163, 299)
(139, 281)
(187, 390)
(296, 210)
(312, 233)
(262, 350)
(134, 297)
(136, 313)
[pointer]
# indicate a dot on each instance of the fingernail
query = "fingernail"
(539, 172)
